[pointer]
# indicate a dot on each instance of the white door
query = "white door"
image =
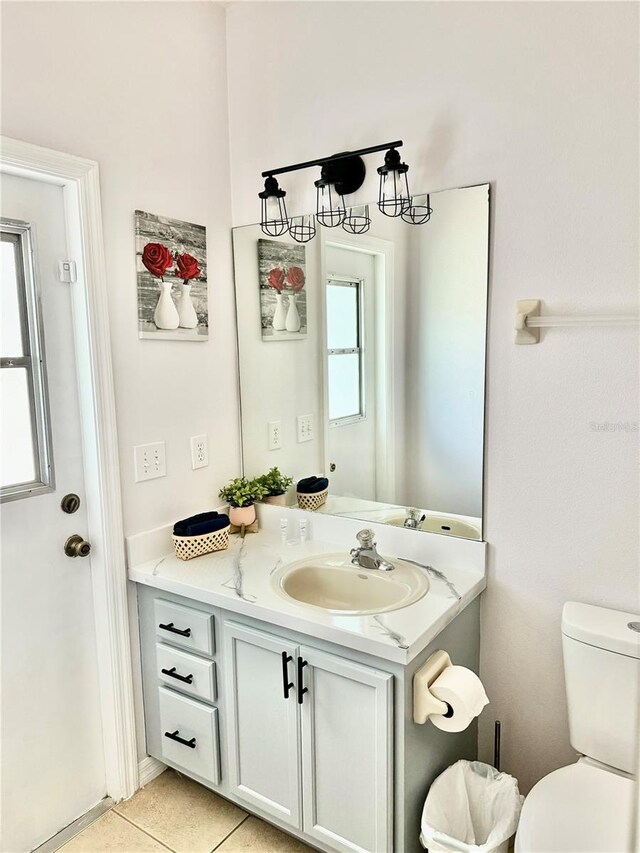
(347, 754)
(351, 376)
(264, 724)
(51, 736)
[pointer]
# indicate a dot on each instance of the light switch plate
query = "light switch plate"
(199, 451)
(150, 461)
(305, 428)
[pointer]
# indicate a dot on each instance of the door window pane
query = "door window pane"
(344, 385)
(342, 316)
(26, 466)
(17, 447)
(11, 325)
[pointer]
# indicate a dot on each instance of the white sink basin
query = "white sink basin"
(332, 583)
(449, 526)
(440, 524)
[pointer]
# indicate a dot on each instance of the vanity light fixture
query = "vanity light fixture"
(330, 207)
(303, 228)
(418, 211)
(342, 175)
(393, 195)
(357, 220)
(273, 210)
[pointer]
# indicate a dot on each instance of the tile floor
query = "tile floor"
(174, 813)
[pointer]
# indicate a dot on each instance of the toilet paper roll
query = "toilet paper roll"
(463, 691)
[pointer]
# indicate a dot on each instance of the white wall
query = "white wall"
(141, 88)
(541, 99)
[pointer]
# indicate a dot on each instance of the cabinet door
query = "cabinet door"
(264, 726)
(347, 753)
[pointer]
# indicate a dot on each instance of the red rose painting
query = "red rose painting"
(283, 290)
(295, 277)
(171, 272)
(157, 259)
(276, 279)
(187, 267)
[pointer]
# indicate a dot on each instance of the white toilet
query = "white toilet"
(587, 807)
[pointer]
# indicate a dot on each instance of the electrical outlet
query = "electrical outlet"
(199, 451)
(275, 435)
(150, 461)
(305, 428)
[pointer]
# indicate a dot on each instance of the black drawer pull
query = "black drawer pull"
(171, 627)
(286, 684)
(301, 690)
(175, 736)
(188, 679)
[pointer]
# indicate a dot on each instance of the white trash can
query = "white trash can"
(470, 808)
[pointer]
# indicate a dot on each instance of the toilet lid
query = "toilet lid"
(577, 809)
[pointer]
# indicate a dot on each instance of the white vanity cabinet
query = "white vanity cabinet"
(315, 737)
(263, 724)
(347, 752)
(310, 738)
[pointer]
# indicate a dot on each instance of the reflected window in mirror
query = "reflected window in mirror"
(345, 351)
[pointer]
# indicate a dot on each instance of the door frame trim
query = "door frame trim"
(80, 182)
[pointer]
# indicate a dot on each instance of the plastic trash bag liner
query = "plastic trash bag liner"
(471, 807)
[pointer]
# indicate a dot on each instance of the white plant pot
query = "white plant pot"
(293, 318)
(186, 312)
(280, 315)
(165, 316)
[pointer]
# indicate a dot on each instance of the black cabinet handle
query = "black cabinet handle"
(188, 679)
(286, 684)
(301, 690)
(171, 627)
(175, 736)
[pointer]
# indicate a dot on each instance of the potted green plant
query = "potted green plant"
(276, 485)
(241, 495)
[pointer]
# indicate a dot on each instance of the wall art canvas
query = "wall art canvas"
(171, 266)
(283, 294)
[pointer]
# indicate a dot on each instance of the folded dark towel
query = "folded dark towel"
(311, 485)
(198, 525)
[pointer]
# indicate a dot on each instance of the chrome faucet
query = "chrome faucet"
(414, 519)
(366, 556)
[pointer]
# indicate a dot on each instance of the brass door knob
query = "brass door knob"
(76, 546)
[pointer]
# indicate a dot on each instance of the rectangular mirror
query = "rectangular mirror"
(362, 359)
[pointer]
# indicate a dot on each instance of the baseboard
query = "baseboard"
(148, 769)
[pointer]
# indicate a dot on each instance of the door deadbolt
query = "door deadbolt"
(70, 503)
(332, 467)
(76, 546)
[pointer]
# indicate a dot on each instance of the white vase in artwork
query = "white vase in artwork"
(280, 314)
(165, 315)
(293, 318)
(186, 312)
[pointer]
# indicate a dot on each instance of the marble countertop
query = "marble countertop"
(240, 580)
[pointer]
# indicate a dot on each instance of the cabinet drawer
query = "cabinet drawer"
(186, 673)
(196, 725)
(184, 626)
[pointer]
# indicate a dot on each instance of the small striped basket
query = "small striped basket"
(312, 500)
(188, 547)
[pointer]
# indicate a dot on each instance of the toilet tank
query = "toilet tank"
(602, 676)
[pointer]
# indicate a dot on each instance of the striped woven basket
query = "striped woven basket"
(312, 500)
(188, 547)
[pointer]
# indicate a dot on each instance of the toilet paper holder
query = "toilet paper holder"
(424, 702)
